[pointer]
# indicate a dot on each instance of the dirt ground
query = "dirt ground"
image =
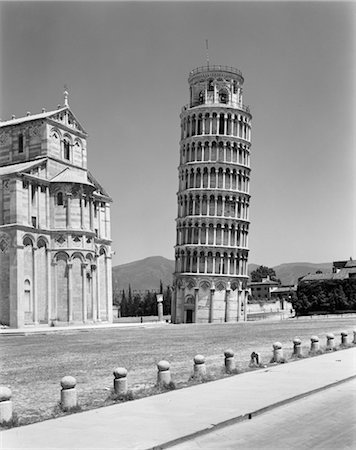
(32, 366)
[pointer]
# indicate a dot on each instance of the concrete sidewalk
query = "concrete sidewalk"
(162, 420)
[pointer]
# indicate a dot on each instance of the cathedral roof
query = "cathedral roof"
(71, 176)
(30, 117)
(20, 167)
(55, 115)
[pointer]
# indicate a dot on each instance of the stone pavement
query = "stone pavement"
(45, 329)
(162, 420)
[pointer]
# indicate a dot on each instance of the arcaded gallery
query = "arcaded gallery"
(211, 249)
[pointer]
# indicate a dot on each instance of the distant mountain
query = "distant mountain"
(289, 273)
(146, 274)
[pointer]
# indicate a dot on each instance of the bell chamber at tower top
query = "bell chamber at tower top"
(216, 85)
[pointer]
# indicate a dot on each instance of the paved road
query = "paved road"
(326, 420)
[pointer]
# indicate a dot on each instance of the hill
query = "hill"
(146, 274)
(289, 273)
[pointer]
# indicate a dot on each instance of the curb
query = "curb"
(247, 416)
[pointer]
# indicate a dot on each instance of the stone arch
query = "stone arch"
(203, 233)
(205, 284)
(192, 152)
(67, 147)
(210, 262)
(211, 234)
(221, 157)
(28, 239)
(78, 255)
(61, 255)
(199, 151)
(212, 178)
(201, 262)
(42, 241)
(55, 133)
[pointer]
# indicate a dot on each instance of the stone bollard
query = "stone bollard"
(163, 374)
(5, 404)
(354, 341)
(330, 341)
(344, 340)
(230, 365)
(297, 348)
(120, 381)
(277, 352)
(255, 360)
(68, 393)
(199, 367)
(314, 344)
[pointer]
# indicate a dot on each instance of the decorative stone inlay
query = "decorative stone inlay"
(220, 286)
(190, 285)
(77, 238)
(205, 285)
(4, 138)
(61, 240)
(34, 131)
(4, 242)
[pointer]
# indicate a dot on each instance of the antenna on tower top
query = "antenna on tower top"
(207, 52)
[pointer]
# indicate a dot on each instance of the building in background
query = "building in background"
(55, 245)
(269, 299)
(211, 252)
(342, 270)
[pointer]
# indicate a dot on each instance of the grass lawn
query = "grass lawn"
(32, 366)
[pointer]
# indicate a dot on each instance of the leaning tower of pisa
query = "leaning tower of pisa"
(213, 200)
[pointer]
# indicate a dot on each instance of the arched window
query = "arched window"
(223, 96)
(60, 198)
(211, 85)
(20, 143)
(66, 149)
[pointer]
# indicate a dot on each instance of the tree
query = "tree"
(263, 272)
(123, 305)
(167, 300)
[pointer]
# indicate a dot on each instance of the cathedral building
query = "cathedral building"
(210, 279)
(55, 244)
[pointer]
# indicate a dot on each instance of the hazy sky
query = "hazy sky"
(126, 66)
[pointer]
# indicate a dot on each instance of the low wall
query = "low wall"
(145, 319)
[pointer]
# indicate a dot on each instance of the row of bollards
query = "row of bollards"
(69, 400)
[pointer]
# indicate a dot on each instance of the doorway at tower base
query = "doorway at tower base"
(210, 302)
